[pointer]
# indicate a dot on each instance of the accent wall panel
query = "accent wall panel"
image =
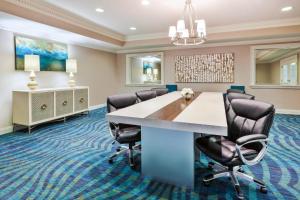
(206, 68)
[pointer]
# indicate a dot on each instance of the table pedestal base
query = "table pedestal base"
(168, 156)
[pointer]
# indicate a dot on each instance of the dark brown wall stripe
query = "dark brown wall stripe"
(172, 110)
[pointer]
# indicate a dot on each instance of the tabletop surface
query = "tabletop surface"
(204, 113)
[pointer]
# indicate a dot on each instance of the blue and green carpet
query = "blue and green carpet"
(69, 161)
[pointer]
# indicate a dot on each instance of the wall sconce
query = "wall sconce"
(71, 67)
(32, 65)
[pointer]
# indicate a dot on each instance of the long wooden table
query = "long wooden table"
(169, 127)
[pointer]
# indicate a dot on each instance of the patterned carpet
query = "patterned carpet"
(69, 161)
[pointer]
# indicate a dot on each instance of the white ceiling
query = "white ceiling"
(155, 18)
(23, 26)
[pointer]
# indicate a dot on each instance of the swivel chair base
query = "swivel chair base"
(233, 173)
(125, 149)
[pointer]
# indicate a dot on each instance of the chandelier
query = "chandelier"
(189, 30)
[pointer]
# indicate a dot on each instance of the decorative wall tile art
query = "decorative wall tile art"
(209, 68)
(52, 55)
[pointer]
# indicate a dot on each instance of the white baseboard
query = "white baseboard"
(97, 106)
(288, 112)
(6, 130)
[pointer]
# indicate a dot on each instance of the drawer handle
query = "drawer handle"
(81, 100)
(44, 107)
(65, 103)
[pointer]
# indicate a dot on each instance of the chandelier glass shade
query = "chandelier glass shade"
(189, 29)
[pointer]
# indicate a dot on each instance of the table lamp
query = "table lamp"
(71, 67)
(32, 65)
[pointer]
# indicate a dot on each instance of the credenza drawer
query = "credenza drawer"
(64, 102)
(81, 97)
(42, 105)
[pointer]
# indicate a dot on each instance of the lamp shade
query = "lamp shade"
(172, 31)
(201, 27)
(180, 26)
(71, 66)
(32, 63)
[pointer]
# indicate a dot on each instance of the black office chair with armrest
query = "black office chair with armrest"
(249, 125)
(123, 133)
(145, 95)
(160, 91)
(227, 101)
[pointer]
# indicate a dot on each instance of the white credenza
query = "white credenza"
(33, 107)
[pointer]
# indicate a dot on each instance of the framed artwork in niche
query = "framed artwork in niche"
(52, 55)
(207, 68)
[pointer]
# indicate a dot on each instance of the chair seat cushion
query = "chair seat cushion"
(129, 134)
(221, 149)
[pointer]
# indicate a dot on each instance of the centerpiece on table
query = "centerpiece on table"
(187, 93)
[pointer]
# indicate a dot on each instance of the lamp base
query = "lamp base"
(32, 85)
(72, 83)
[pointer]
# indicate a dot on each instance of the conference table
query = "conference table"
(169, 126)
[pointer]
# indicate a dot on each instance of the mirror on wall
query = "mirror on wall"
(144, 69)
(278, 66)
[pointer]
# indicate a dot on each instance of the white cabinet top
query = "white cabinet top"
(51, 89)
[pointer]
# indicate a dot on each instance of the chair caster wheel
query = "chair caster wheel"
(263, 190)
(110, 161)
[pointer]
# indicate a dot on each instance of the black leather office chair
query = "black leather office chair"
(249, 123)
(160, 91)
(145, 95)
(123, 133)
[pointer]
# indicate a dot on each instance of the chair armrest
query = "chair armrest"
(256, 138)
(249, 138)
(116, 130)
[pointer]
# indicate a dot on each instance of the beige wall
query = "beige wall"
(282, 98)
(96, 69)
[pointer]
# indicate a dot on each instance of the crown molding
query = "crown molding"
(170, 47)
(43, 12)
(225, 29)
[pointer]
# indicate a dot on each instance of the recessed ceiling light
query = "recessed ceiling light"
(132, 28)
(286, 8)
(100, 10)
(145, 2)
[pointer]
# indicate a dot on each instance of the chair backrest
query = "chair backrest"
(235, 91)
(120, 101)
(160, 91)
(145, 95)
(249, 117)
(230, 96)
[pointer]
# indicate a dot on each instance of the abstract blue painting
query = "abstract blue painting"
(52, 55)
